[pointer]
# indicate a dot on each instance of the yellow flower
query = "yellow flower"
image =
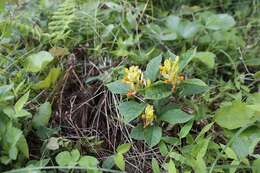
(148, 116)
(170, 71)
(133, 77)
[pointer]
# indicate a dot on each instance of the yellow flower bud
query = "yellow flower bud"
(148, 116)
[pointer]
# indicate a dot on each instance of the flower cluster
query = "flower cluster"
(148, 116)
(133, 77)
(170, 71)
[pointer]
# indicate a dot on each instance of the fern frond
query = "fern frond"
(60, 25)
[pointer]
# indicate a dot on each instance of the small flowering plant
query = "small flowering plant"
(146, 91)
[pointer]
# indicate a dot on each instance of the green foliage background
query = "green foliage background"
(48, 50)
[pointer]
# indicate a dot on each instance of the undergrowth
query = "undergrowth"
(129, 86)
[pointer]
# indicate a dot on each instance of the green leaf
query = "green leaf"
(193, 86)
(155, 166)
(23, 146)
(171, 167)
(43, 116)
(119, 161)
(152, 68)
(5, 88)
(75, 155)
(14, 115)
(36, 62)
(152, 135)
(67, 158)
(118, 87)
(256, 166)
(88, 162)
(175, 116)
(21, 102)
(13, 152)
(200, 166)
(130, 110)
(220, 21)
(204, 130)
(137, 132)
(163, 148)
(12, 136)
(185, 58)
(246, 142)
(184, 28)
(158, 91)
(173, 22)
(108, 163)
(257, 75)
(185, 129)
(207, 58)
(200, 149)
(123, 148)
(234, 116)
(49, 80)
(64, 159)
(187, 29)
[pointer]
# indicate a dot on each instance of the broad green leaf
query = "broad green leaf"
(67, 158)
(171, 167)
(118, 87)
(207, 58)
(185, 129)
(75, 155)
(175, 116)
(120, 161)
(123, 148)
(36, 62)
(43, 116)
(130, 110)
(220, 21)
(167, 35)
(187, 29)
(185, 58)
(173, 22)
(234, 116)
(12, 136)
(155, 166)
(108, 163)
(246, 142)
(184, 28)
(152, 135)
(64, 159)
(49, 80)
(21, 102)
(23, 146)
(152, 68)
(158, 91)
(88, 162)
(137, 132)
(193, 86)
